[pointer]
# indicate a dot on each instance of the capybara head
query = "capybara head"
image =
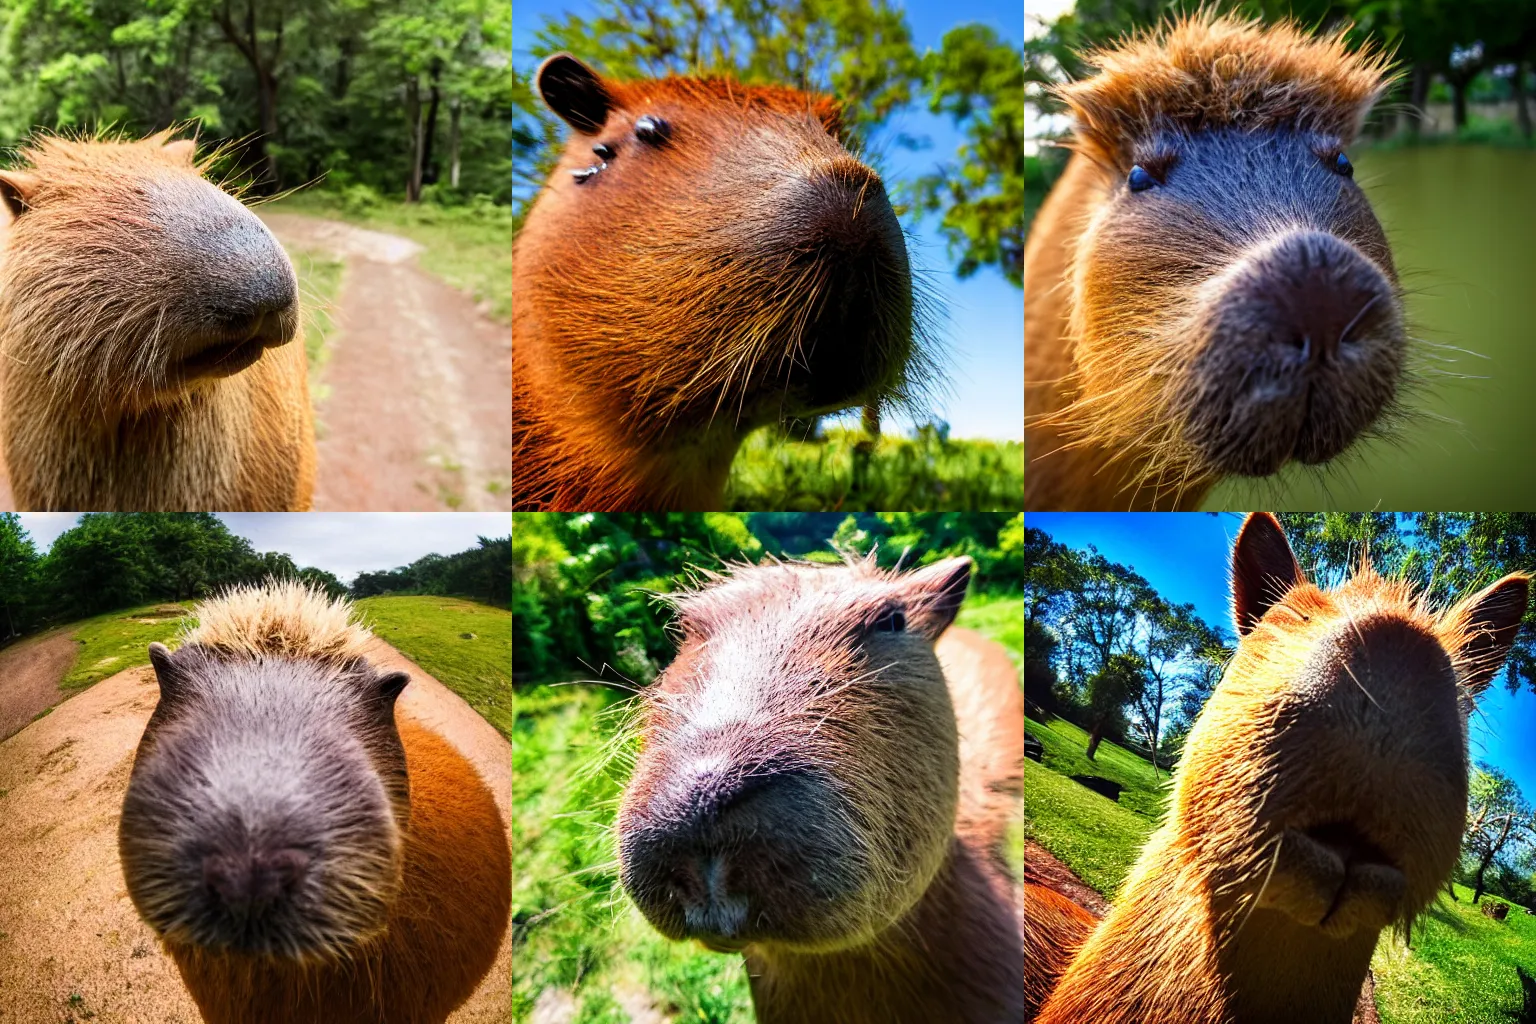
(799, 776)
(128, 277)
(706, 250)
(1234, 303)
(1326, 778)
(268, 801)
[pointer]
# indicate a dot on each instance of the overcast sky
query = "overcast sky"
(345, 543)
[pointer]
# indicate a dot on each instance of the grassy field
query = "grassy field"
(470, 247)
(1460, 969)
(839, 474)
(466, 645)
(574, 932)
(118, 640)
(319, 281)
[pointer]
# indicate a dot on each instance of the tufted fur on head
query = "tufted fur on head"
(1320, 799)
(1210, 71)
(284, 618)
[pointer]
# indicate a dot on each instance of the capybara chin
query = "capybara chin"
(804, 795)
(1320, 799)
(1208, 292)
(706, 258)
(305, 856)
(149, 337)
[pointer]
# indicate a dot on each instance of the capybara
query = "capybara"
(706, 258)
(1320, 798)
(805, 795)
(1207, 290)
(149, 338)
(305, 854)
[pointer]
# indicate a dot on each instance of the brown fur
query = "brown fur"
(408, 937)
(784, 674)
(94, 412)
(666, 307)
(1134, 343)
(1320, 798)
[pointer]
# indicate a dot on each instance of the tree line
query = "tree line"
(584, 589)
(858, 51)
(405, 97)
(113, 560)
(1104, 650)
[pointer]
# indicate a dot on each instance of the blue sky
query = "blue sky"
(1185, 556)
(985, 329)
(344, 543)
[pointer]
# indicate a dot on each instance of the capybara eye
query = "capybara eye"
(1139, 179)
(604, 152)
(891, 621)
(1343, 166)
(652, 130)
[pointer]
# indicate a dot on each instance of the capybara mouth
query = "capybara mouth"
(223, 356)
(1335, 878)
(1302, 353)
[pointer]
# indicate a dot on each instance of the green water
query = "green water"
(1462, 222)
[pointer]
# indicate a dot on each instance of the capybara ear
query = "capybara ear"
(575, 92)
(934, 594)
(391, 684)
(1481, 629)
(1263, 570)
(830, 113)
(172, 676)
(184, 150)
(16, 189)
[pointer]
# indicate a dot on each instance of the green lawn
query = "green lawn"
(319, 281)
(466, 645)
(1460, 970)
(470, 247)
(117, 640)
(841, 474)
(573, 927)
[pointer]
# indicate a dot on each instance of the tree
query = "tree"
(1170, 636)
(1123, 676)
(18, 571)
(1497, 816)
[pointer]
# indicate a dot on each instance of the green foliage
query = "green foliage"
(483, 573)
(331, 88)
(466, 646)
(18, 575)
(845, 471)
(858, 51)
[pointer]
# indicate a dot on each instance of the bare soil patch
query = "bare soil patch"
(29, 678)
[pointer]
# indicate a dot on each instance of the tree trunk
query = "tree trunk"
(454, 109)
(266, 92)
(1459, 104)
(1418, 96)
(1095, 736)
(1522, 111)
(413, 115)
(869, 420)
(428, 165)
(1477, 888)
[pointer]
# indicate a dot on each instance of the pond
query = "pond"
(1462, 222)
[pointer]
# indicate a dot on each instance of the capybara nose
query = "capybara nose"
(1319, 296)
(840, 209)
(247, 880)
(241, 282)
(1302, 351)
(260, 282)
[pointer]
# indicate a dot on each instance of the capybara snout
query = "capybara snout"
(1280, 314)
(799, 781)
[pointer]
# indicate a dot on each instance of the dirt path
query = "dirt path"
(418, 415)
(72, 948)
(29, 678)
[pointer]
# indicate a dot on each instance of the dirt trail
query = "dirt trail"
(29, 678)
(72, 948)
(418, 415)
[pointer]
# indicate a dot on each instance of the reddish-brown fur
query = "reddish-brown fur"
(1320, 799)
(1150, 314)
(101, 406)
(783, 672)
(440, 937)
(694, 289)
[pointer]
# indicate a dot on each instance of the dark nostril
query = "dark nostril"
(250, 878)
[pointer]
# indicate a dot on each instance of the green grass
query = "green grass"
(841, 473)
(573, 927)
(117, 640)
(1065, 745)
(467, 646)
(1094, 836)
(1461, 969)
(319, 282)
(470, 247)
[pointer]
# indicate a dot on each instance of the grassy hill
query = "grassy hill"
(1460, 969)
(573, 927)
